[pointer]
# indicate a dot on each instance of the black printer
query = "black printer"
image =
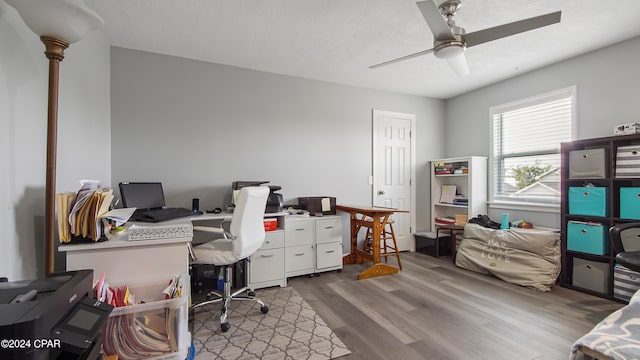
(274, 201)
(52, 318)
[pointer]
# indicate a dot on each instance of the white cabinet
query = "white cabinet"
(266, 266)
(313, 245)
(463, 182)
(328, 244)
(299, 251)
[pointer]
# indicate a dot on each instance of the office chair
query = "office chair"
(625, 239)
(245, 236)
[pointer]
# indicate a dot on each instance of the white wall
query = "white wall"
(199, 126)
(84, 138)
(607, 94)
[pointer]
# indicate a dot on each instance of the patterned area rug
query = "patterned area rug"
(290, 330)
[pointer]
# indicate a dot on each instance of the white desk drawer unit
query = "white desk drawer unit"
(329, 244)
(266, 266)
(313, 245)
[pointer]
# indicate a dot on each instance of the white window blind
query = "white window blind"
(526, 148)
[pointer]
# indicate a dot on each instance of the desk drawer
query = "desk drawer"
(266, 265)
(273, 240)
(299, 258)
(328, 230)
(299, 232)
(328, 255)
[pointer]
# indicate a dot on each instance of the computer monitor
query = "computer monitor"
(142, 195)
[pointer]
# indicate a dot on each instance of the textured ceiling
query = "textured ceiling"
(337, 40)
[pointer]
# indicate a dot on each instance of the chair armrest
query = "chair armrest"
(214, 230)
(209, 229)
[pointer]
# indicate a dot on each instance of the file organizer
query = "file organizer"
(625, 283)
(630, 203)
(590, 238)
(587, 164)
(156, 329)
(593, 201)
(591, 275)
(628, 161)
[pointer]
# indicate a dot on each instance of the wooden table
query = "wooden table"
(375, 218)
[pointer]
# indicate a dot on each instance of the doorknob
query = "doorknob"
(380, 192)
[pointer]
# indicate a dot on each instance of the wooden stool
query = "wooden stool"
(386, 249)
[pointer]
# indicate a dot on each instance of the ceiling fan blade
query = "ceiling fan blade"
(434, 19)
(501, 31)
(401, 59)
(459, 64)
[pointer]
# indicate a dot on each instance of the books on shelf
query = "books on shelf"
(445, 220)
(460, 200)
(448, 169)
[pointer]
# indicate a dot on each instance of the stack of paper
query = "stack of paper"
(448, 193)
(64, 201)
(79, 214)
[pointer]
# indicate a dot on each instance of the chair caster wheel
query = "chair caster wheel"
(264, 309)
(251, 293)
(225, 327)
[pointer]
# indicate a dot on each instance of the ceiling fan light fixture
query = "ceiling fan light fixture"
(448, 50)
(459, 64)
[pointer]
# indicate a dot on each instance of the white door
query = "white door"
(393, 170)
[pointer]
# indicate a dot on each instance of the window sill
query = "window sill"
(545, 208)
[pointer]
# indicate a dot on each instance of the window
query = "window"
(525, 161)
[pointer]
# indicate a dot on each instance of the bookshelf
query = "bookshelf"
(469, 177)
(585, 268)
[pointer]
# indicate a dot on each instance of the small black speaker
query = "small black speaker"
(195, 205)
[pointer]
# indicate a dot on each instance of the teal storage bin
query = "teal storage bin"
(592, 201)
(590, 238)
(630, 203)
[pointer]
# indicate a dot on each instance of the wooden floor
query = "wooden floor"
(434, 310)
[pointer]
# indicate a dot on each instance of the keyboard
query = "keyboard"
(165, 214)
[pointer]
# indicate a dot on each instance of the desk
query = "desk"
(148, 261)
(135, 262)
(380, 216)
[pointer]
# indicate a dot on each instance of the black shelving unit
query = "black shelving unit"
(610, 146)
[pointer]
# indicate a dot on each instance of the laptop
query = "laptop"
(148, 199)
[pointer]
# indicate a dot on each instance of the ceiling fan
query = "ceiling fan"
(450, 41)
